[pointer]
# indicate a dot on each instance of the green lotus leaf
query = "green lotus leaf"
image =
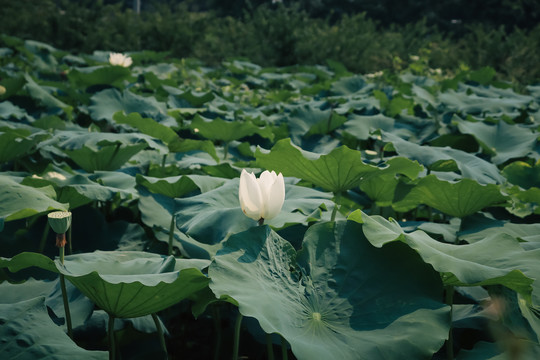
(497, 259)
(13, 143)
(106, 151)
(458, 199)
(108, 102)
(361, 126)
(303, 117)
(8, 110)
(109, 157)
(479, 230)
(187, 145)
(132, 283)
(221, 208)
(178, 186)
(20, 201)
(380, 186)
(99, 75)
(470, 166)
(339, 297)
(157, 211)
(219, 129)
(483, 102)
(194, 99)
(30, 289)
(124, 283)
(147, 126)
(328, 125)
(502, 141)
(351, 85)
(80, 189)
(43, 96)
(28, 333)
(342, 169)
(522, 174)
(25, 260)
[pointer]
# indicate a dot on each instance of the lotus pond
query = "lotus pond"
(409, 226)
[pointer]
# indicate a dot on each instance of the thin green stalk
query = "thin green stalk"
(44, 237)
(112, 342)
(64, 297)
(284, 350)
(160, 335)
(62, 252)
(225, 151)
(163, 161)
(171, 236)
(335, 209)
(450, 342)
(66, 306)
(237, 327)
(269, 347)
(334, 212)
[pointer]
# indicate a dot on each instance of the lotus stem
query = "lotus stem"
(260, 222)
(171, 236)
(335, 209)
(112, 344)
(450, 342)
(334, 212)
(225, 151)
(160, 335)
(237, 327)
(66, 306)
(163, 161)
(269, 347)
(284, 354)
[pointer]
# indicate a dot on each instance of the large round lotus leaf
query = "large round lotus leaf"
(470, 166)
(20, 201)
(339, 297)
(502, 141)
(342, 169)
(219, 129)
(130, 283)
(178, 186)
(94, 75)
(459, 199)
(16, 143)
(28, 333)
(498, 259)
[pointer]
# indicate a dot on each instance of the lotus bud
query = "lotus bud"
(261, 198)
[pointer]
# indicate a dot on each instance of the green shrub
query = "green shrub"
(272, 35)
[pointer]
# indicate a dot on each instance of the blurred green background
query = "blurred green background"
(364, 35)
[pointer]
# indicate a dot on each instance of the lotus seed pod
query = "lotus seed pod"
(60, 221)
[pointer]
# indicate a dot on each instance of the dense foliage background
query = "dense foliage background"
(366, 36)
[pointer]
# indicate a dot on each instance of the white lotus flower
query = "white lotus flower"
(263, 197)
(120, 59)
